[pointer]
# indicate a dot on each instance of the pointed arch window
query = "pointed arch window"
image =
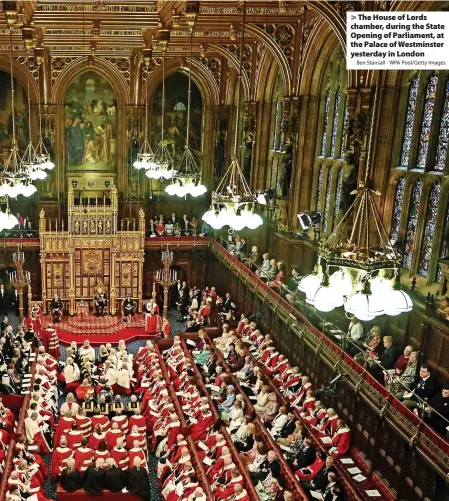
(409, 121)
(327, 201)
(344, 132)
(319, 188)
(412, 223)
(426, 123)
(327, 104)
(444, 245)
(397, 210)
(429, 230)
(338, 195)
(443, 137)
(335, 121)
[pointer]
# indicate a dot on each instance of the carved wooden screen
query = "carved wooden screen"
(58, 278)
(92, 267)
(126, 278)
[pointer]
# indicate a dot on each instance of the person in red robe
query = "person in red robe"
(83, 423)
(59, 458)
(36, 318)
(74, 437)
(327, 425)
(96, 437)
(83, 389)
(152, 320)
(51, 341)
(224, 492)
(62, 428)
(165, 328)
(22, 452)
(101, 452)
(136, 451)
(341, 440)
(205, 422)
(138, 420)
(101, 420)
(35, 435)
(84, 457)
(120, 454)
(240, 494)
(136, 436)
(113, 435)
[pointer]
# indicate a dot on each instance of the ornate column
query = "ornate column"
(112, 297)
(72, 306)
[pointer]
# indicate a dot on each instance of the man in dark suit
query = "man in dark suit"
(227, 302)
(173, 219)
(424, 388)
(289, 426)
(3, 300)
(270, 465)
(333, 493)
(320, 481)
(4, 323)
(386, 360)
(305, 457)
(184, 226)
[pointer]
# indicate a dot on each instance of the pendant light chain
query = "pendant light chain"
(163, 98)
(239, 78)
(12, 93)
(189, 92)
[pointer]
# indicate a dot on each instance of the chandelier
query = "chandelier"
(187, 181)
(163, 167)
(233, 203)
(358, 267)
(15, 176)
(145, 157)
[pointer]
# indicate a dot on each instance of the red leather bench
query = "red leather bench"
(80, 495)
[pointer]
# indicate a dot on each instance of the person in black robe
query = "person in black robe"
(138, 482)
(4, 323)
(56, 308)
(3, 300)
(70, 479)
(129, 308)
(93, 479)
(114, 478)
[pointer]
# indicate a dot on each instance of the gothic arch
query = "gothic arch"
(21, 74)
(200, 75)
(100, 66)
(262, 81)
(276, 50)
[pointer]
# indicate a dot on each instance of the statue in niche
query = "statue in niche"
(100, 226)
(77, 227)
(288, 166)
(84, 227)
(108, 227)
(349, 184)
(247, 156)
(93, 229)
(219, 156)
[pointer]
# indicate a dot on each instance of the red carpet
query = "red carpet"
(99, 330)
(66, 337)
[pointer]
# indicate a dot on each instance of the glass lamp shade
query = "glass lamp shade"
(396, 302)
(28, 189)
(11, 220)
(379, 284)
(4, 189)
(341, 283)
(211, 218)
(49, 165)
(3, 220)
(152, 173)
(309, 284)
(325, 299)
(196, 190)
(365, 306)
(139, 165)
(37, 174)
(237, 222)
(171, 189)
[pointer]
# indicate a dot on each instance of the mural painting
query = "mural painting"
(21, 114)
(90, 124)
(175, 120)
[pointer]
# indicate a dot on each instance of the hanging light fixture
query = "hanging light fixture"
(233, 201)
(145, 157)
(41, 156)
(29, 162)
(187, 180)
(362, 258)
(15, 174)
(164, 164)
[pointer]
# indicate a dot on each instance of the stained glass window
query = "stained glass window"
(319, 188)
(397, 209)
(335, 121)
(338, 195)
(409, 121)
(429, 230)
(411, 225)
(344, 132)
(327, 104)
(426, 124)
(327, 200)
(443, 138)
(444, 245)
